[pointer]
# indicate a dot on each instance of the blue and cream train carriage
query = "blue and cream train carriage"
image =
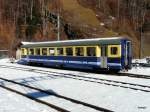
(100, 53)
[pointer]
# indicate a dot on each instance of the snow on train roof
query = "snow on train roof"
(73, 42)
(98, 39)
(25, 43)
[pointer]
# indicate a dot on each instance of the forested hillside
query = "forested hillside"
(36, 20)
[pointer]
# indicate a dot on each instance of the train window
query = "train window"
(31, 51)
(91, 51)
(114, 50)
(60, 51)
(79, 51)
(22, 51)
(69, 51)
(44, 51)
(38, 51)
(52, 51)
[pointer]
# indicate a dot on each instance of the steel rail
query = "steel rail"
(60, 96)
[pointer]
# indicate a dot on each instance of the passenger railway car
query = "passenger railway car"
(98, 54)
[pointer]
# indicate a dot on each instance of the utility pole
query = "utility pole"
(58, 27)
(58, 19)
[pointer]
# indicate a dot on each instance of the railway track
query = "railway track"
(132, 86)
(116, 74)
(134, 75)
(87, 105)
(34, 99)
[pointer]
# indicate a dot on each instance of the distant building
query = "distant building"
(18, 54)
(18, 51)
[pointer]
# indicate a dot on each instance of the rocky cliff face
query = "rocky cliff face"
(36, 20)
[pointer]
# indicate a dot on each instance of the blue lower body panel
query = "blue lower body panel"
(114, 63)
(71, 62)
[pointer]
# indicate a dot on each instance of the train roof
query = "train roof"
(95, 41)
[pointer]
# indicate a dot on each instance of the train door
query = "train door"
(127, 53)
(103, 56)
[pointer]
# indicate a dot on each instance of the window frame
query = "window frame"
(83, 51)
(25, 51)
(41, 51)
(29, 51)
(96, 51)
(36, 51)
(62, 53)
(22, 51)
(73, 51)
(118, 55)
(49, 54)
(114, 50)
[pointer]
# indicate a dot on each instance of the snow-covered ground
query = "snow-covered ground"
(139, 60)
(140, 71)
(114, 98)
(11, 102)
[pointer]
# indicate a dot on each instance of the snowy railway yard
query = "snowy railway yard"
(51, 90)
